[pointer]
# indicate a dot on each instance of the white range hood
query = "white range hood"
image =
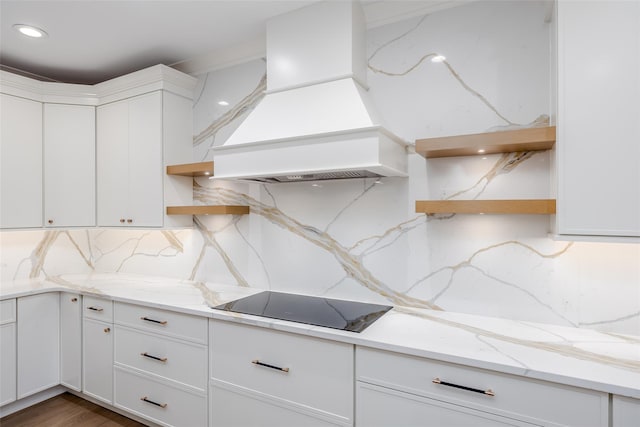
(316, 120)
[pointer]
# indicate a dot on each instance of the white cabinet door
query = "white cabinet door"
(71, 340)
(69, 166)
(145, 160)
(38, 343)
(20, 162)
(130, 173)
(625, 411)
(112, 154)
(97, 360)
(7, 363)
(598, 126)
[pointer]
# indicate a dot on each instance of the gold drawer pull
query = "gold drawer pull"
(95, 308)
(74, 299)
(159, 359)
(162, 405)
(487, 392)
(159, 322)
(266, 365)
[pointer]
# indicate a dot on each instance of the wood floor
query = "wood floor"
(66, 410)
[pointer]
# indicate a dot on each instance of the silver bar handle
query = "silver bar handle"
(266, 365)
(95, 308)
(145, 399)
(150, 356)
(147, 319)
(487, 392)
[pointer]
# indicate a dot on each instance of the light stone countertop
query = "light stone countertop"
(573, 356)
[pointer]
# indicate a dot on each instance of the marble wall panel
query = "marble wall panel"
(361, 238)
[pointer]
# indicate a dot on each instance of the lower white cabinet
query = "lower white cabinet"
(400, 390)
(97, 349)
(7, 351)
(625, 411)
(38, 343)
(278, 378)
(71, 340)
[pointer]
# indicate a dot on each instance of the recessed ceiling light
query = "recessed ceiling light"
(438, 58)
(30, 31)
(223, 103)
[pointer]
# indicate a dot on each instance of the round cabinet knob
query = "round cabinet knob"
(129, 221)
(121, 220)
(107, 330)
(74, 299)
(50, 221)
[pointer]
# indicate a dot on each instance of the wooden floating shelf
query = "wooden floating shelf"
(191, 169)
(530, 206)
(208, 210)
(530, 139)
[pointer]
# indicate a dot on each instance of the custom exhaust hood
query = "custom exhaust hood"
(316, 120)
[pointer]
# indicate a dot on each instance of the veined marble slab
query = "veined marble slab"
(573, 356)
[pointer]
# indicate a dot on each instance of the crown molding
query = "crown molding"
(158, 77)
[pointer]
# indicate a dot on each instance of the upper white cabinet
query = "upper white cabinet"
(20, 162)
(136, 139)
(69, 165)
(106, 167)
(598, 139)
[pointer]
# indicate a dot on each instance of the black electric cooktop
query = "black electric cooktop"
(350, 316)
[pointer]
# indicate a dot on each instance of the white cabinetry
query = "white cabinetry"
(71, 340)
(394, 389)
(277, 378)
(136, 138)
(625, 411)
(20, 162)
(7, 351)
(160, 365)
(69, 165)
(97, 348)
(38, 343)
(598, 153)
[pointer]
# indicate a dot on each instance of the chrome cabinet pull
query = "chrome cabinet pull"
(159, 359)
(160, 322)
(162, 405)
(266, 365)
(487, 392)
(95, 308)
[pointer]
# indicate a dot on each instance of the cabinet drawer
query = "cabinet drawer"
(164, 322)
(157, 401)
(176, 360)
(299, 369)
(98, 309)
(7, 311)
(531, 400)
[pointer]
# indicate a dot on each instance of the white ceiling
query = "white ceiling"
(90, 41)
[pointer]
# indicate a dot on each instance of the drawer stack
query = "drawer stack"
(160, 365)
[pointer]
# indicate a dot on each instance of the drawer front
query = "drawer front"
(157, 401)
(530, 400)
(7, 311)
(264, 413)
(299, 369)
(180, 361)
(169, 323)
(98, 309)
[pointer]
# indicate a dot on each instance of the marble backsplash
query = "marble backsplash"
(361, 238)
